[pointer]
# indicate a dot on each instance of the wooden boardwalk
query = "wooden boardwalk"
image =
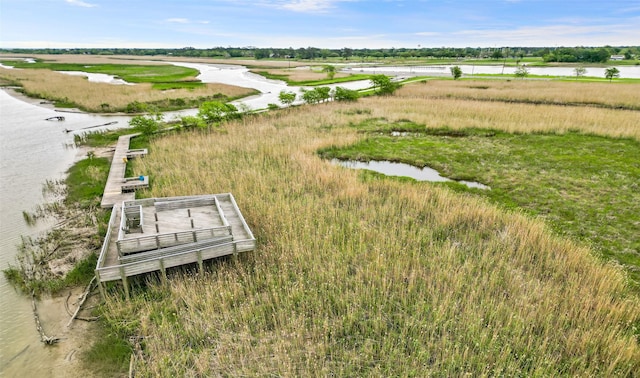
(155, 234)
(119, 188)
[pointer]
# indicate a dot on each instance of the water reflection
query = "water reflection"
(390, 168)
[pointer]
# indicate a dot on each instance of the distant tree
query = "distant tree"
(497, 54)
(522, 72)
(287, 98)
(580, 71)
(330, 70)
(346, 53)
(214, 112)
(383, 84)
(456, 72)
(344, 94)
(611, 72)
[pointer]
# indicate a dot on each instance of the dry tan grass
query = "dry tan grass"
(90, 96)
(302, 73)
(420, 104)
(543, 91)
(374, 278)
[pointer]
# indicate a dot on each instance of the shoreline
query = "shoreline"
(64, 359)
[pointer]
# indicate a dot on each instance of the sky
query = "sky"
(331, 24)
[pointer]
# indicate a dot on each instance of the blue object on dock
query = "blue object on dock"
(141, 178)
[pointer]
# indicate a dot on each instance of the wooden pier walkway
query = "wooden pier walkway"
(118, 187)
(155, 234)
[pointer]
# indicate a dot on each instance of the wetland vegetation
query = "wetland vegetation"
(355, 272)
(162, 87)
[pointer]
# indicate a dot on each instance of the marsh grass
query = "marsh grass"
(310, 76)
(101, 97)
(543, 92)
(131, 73)
(363, 276)
(554, 176)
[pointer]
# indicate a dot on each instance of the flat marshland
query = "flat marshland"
(158, 86)
(359, 275)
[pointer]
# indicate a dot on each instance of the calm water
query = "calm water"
(31, 151)
(390, 168)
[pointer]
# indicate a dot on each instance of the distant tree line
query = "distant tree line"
(560, 54)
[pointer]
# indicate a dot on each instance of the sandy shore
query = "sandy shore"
(64, 358)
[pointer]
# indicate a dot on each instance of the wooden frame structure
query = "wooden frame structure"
(155, 234)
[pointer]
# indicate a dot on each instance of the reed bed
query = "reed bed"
(91, 96)
(533, 91)
(373, 277)
(301, 74)
(418, 105)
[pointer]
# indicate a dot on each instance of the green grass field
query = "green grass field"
(132, 73)
(586, 186)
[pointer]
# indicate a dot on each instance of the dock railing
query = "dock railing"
(107, 238)
(146, 243)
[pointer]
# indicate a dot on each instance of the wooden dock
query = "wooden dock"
(120, 188)
(155, 234)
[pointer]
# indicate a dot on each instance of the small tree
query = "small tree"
(579, 71)
(323, 93)
(213, 112)
(330, 71)
(611, 72)
(194, 122)
(287, 98)
(344, 94)
(310, 96)
(456, 72)
(522, 72)
(146, 125)
(383, 84)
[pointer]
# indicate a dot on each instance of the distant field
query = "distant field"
(166, 87)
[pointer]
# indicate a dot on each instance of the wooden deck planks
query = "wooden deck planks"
(110, 267)
(113, 189)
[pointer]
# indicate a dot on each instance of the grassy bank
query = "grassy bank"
(65, 255)
(131, 73)
(354, 273)
(75, 91)
(308, 77)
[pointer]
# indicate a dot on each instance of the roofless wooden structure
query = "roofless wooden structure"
(155, 234)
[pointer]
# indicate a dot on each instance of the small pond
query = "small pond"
(390, 168)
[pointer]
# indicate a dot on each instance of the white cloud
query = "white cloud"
(178, 20)
(184, 21)
(302, 6)
(81, 3)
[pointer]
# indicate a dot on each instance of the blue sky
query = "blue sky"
(318, 23)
